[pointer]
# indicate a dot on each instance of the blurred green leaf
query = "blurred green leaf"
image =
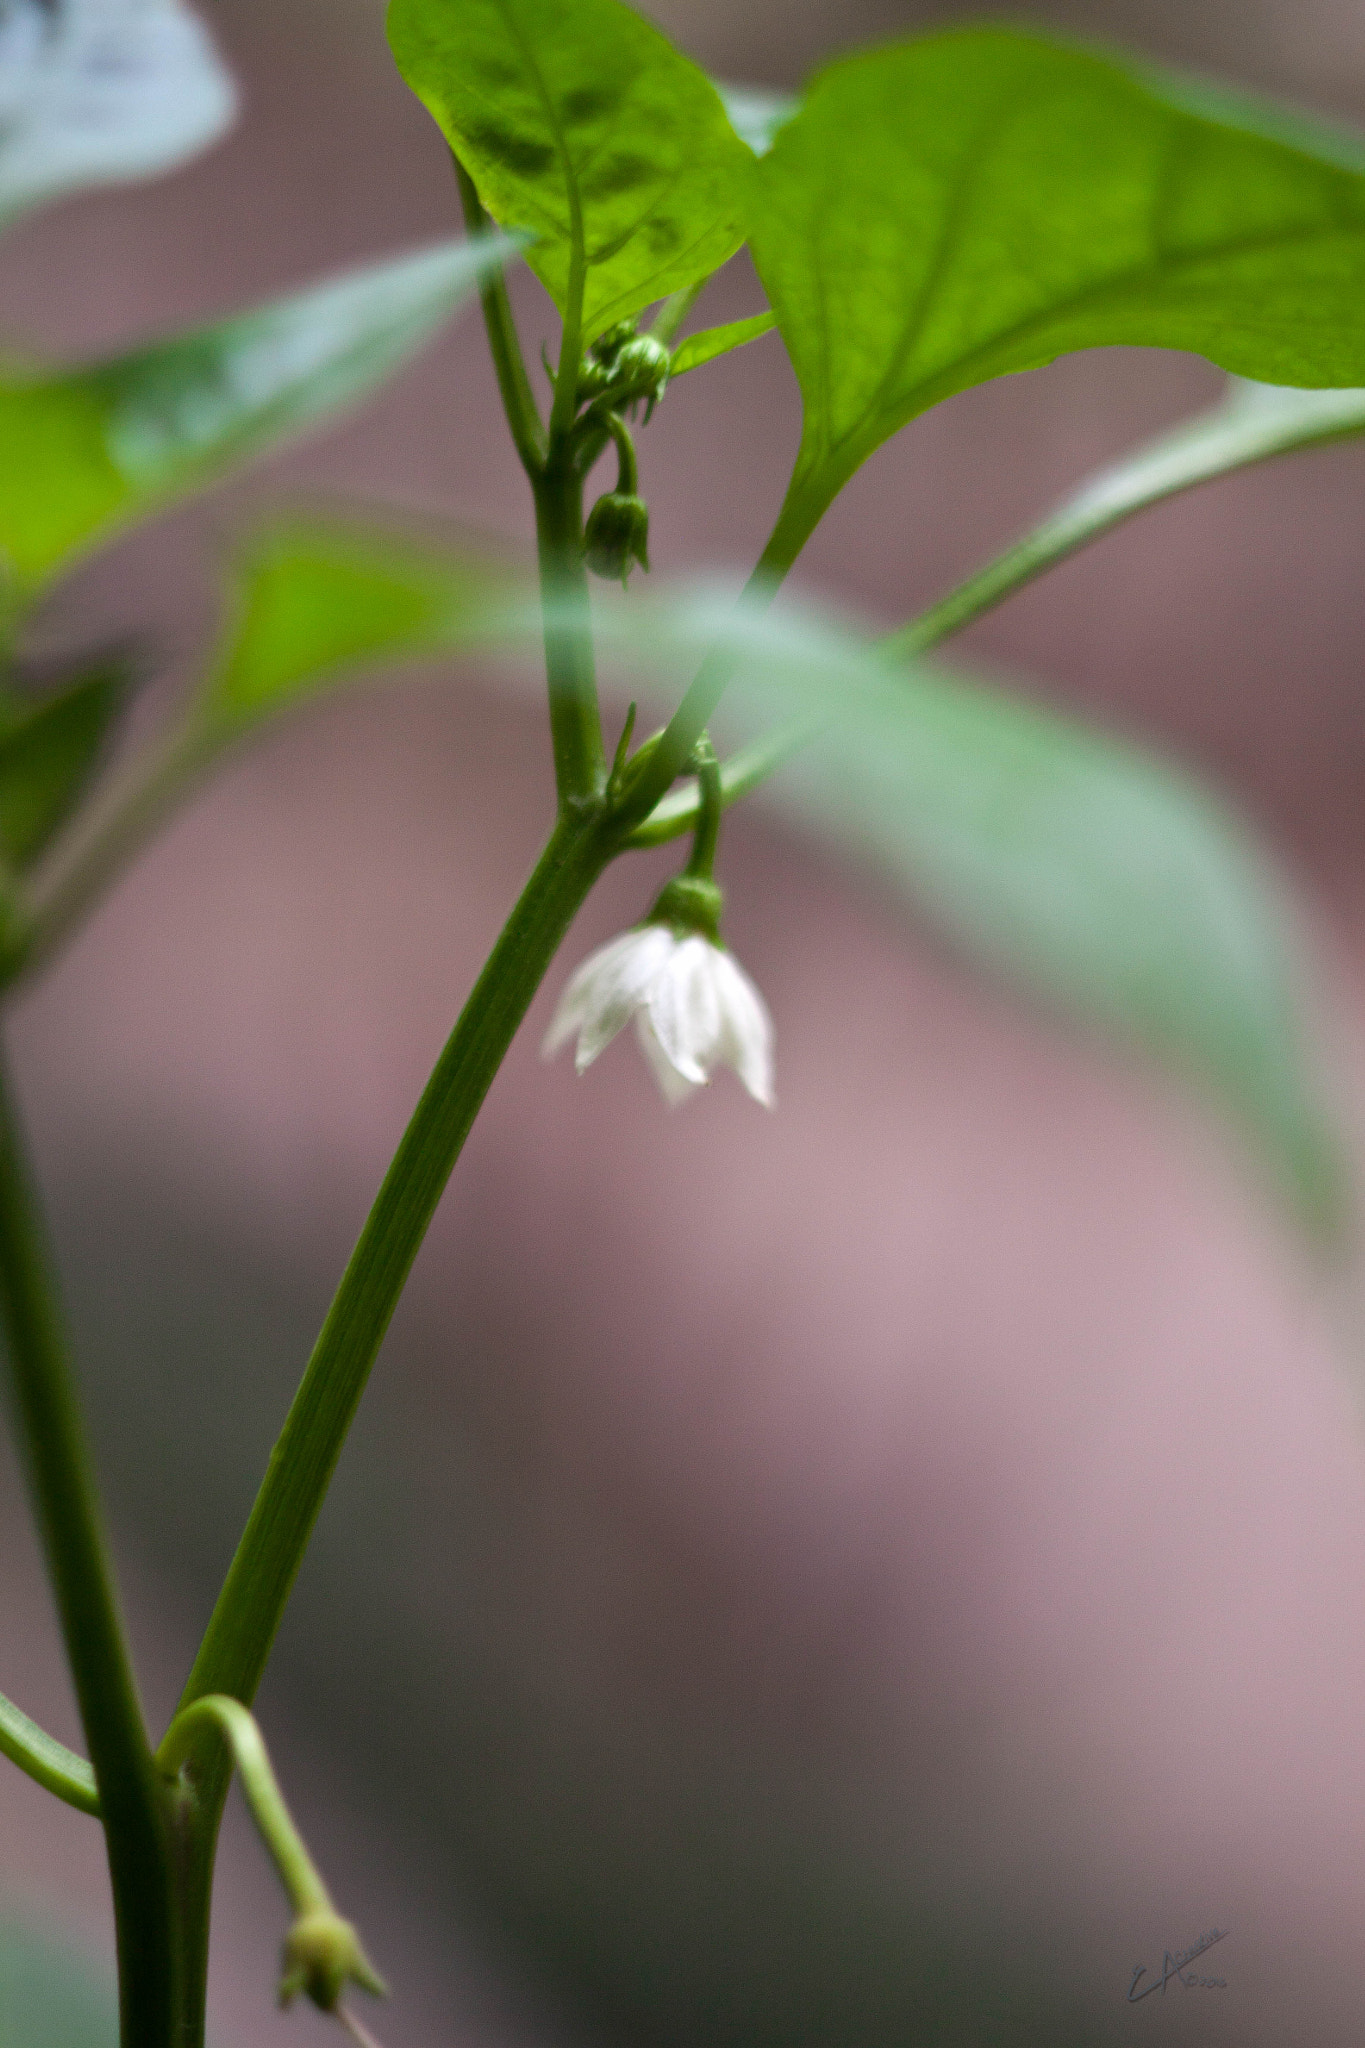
(91, 450)
(711, 342)
(317, 603)
(580, 122)
(944, 211)
(1252, 423)
(52, 1995)
(94, 92)
(1060, 861)
(49, 751)
(1057, 860)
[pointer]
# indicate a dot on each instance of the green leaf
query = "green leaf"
(1069, 864)
(945, 211)
(88, 451)
(48, 753)
(1251, 424)
(718, 341)
(316, 604)
(580, 122)
(95, 92)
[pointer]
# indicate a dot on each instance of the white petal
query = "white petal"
(601, 995)
(746, 1030)
(684, 1008)
(674, 1087)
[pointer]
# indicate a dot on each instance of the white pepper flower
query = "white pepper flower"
(694, 1009)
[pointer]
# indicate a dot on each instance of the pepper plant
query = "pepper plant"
(928, 215)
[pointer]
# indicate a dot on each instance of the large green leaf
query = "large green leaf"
(90, 450)
(580, 122)
(944, 211)
(93, 92)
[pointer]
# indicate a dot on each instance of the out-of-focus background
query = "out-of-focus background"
(872, 1574)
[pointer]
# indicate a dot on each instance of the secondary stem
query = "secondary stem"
(233, 1654)
(52, 1439)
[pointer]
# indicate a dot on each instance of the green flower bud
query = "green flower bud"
(616, 535)
(613, 341)
(322, 1954)
(641, 371)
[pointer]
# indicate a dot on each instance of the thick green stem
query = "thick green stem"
(233, 1654)
(52, 1439)
(575, 721)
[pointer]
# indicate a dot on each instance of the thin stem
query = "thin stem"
(518, 399)
(702, 859)
(565, 407)
(48, 1762)
(744, 771)
(671, 315)
(298, 1873)
(627, 468)
(52, 1439)
(237, 1642)
(667, 757)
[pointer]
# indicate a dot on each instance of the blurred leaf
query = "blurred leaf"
(53, 1996)
(756, 113)
(93, 92)
(718, 341)
(1001, 201)
(48, 752)
(1250, 424)
(579, 121)
(317, 603)
(94, 449)
(1058, 860)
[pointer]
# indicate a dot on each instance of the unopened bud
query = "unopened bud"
(616, 536)
(322, 1954)
(641, 371)
(613, 340)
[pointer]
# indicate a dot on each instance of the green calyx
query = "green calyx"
(322, 1954)
(616, 536)
(690, 904)
(624, 368)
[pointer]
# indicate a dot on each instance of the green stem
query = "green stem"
(48, 1762)
(518, 399)
(52, 1439)
(229, 1718)
(627, 468)
(674, 311)
(233, 1653)
(744, 771)
(710, 803)
(575, 721)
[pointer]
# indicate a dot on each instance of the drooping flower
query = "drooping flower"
(694, 1008)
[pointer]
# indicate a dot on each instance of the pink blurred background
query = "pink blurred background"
(878, 1572)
